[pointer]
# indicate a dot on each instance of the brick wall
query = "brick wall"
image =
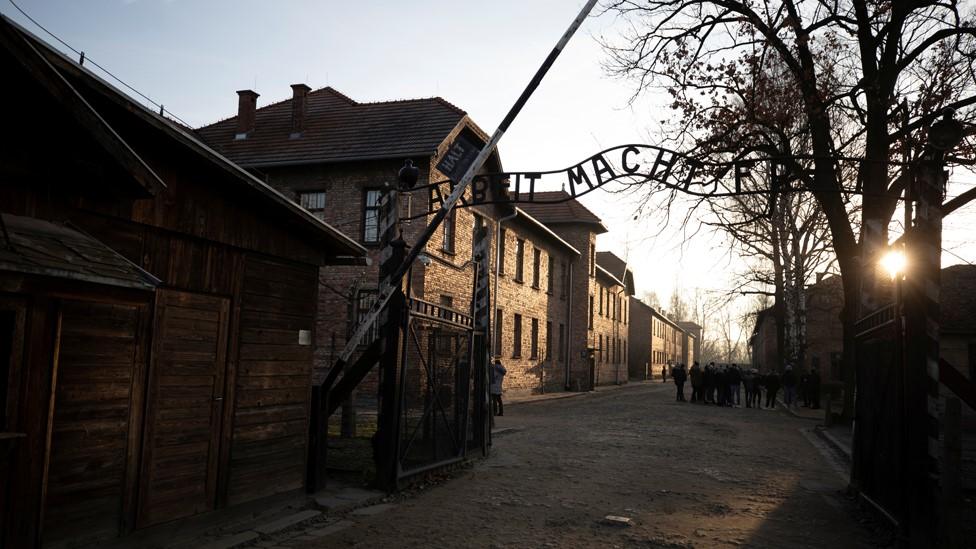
(581, 237)
(639, 340)
(548, 307)
(609, 333)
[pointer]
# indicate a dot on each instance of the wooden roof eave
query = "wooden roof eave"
(346, 245)
(44, 73)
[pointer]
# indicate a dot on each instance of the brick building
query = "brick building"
(639, 340)
(694, 332)
(531, 296)
(765, 356)
(608, 319)
(578, 226)
(334, 156)
(824, 330)
(667, 346)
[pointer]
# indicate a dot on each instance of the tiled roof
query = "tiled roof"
(617, 267)
(337, 129)
(959, 299)
(570, 211)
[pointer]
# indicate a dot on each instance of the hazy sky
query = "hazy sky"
(193, 56)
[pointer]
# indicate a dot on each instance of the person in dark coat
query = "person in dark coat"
(722, 386)
(803, 389)
(708, 378)
(735, 381)
(696, 382)
(679, 375)
(772, 387)
(813, 382)
(789, 387)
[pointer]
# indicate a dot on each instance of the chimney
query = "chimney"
(299, 105)
(246, 105)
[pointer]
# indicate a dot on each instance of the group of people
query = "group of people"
(724, 385)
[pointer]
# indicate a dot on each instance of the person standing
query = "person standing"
(772, 387)
(679, 374)
(664, 373)
(696, 382)
(789, 387)
(813, 381)
(498, 372)
(748, 383)
(735, 381)
(708, 379)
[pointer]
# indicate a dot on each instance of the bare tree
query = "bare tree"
(863, 79)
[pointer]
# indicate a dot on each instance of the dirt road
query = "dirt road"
(687, 475)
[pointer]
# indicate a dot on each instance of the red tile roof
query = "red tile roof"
(617, 267)
(337, 129)
(570, 211)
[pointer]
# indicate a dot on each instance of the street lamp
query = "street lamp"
(894, 262)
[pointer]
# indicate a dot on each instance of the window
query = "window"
(536, 265)
(590, 324)
(565, 279)
(562, 342)
(450, 226)
(502, 233)
(548, 340)
(371, 216)
(314, 202)
(624, 316)
(600, 288)
(599, 348)
(592, 260)
(550, 275)
(519, 260)
(498, 332)
(535, 338)
(365, 300)
(479, 223)
(517, 337)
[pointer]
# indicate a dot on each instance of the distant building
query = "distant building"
(825, 328)
(765, 355)
(693, 334)
(639, 340)
(608, 318)
(578, 226)
(667, 342)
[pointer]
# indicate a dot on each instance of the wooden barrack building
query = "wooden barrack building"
(157, 309)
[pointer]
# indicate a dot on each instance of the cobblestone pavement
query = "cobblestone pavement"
(685, 475)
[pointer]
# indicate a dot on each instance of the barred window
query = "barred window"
(371, 216)
(365, 300)
(314, 202)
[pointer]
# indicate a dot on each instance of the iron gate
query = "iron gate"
(879, 462)
(436, 393)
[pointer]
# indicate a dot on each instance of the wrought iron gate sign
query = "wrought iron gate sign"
(629, 164)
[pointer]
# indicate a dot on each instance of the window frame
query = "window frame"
(317, 212)
(534, 339)
(536, 267)
(449, 233)
(366, 209)
(516, 336)
(519, 261)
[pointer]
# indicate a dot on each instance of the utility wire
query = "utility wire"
(84, 58)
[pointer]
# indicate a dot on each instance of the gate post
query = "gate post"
(481, 317)
(923, 315)
(387, 437)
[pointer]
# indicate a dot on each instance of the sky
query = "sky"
(193, 56)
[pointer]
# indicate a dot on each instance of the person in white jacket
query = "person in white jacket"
(498, 372)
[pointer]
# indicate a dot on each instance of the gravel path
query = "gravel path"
(686, 475)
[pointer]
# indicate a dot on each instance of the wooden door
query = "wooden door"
(11, 353)
(181, 445)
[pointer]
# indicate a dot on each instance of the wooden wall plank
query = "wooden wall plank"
(90, 433)
(273, 379)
